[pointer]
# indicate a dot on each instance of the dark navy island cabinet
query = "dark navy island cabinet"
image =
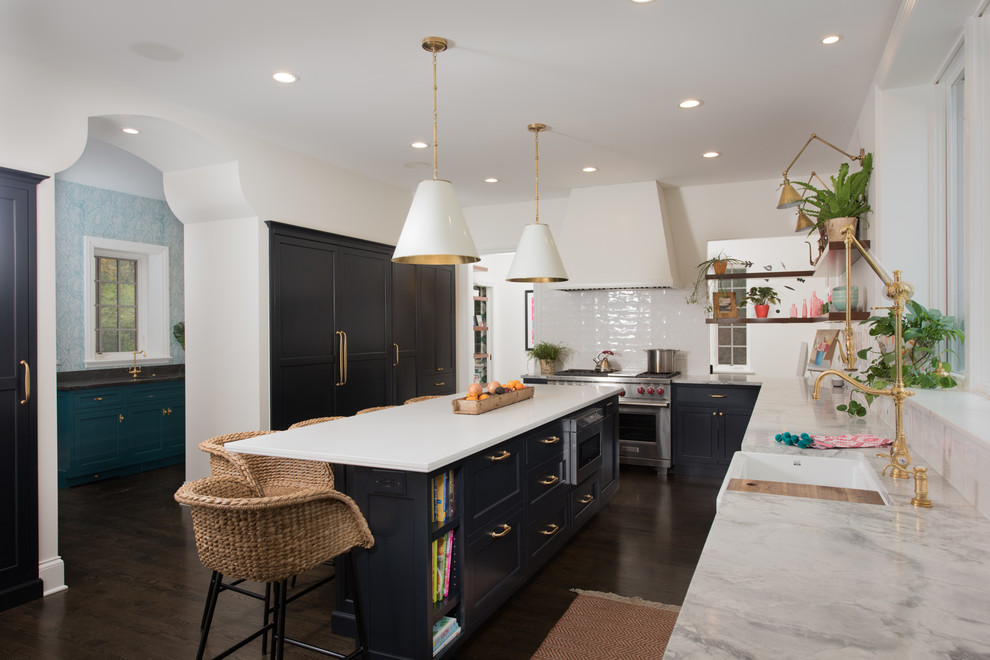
(513, 510)
(112, 431)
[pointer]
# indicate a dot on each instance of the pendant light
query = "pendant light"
(537, 259)
(435, 231)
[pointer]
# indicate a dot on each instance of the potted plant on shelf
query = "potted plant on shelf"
(762, 297)
(719, 264)
(547, 353)
(927, 335)
(844, 205)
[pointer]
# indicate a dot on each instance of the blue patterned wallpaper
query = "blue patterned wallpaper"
(86, 211)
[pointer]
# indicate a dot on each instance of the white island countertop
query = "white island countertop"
(422, 436)
(789, 577)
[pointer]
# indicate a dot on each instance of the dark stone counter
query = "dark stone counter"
(80, 380)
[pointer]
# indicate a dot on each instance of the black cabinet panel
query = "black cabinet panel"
(709, 422)
(19, 580)
(494, 480)
(496, 568)
(405, 332)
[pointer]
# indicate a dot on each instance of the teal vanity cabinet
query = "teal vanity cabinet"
(122, 429)
(709, 422)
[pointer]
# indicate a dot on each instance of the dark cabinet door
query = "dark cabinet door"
(362, 315)
(405, 331)
(697, 435)
(733, 424)
(445, 350)
(304, 343)
(19, 580)
(437, 352)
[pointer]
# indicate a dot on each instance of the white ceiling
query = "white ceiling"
(605, 75)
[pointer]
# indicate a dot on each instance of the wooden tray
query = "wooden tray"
(465, 407)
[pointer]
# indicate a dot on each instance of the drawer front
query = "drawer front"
(544, 444)
(495, 567)
(435, 385)
(97, 398)
(546, 531)
(544, 481)
(720, 397)
(493, 482)
(584, 501)
(146, 393)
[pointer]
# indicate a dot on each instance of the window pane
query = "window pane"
(128, 317)
(739, 355)
(127, 293)
(739, 335)
(107, 268)
(108, 341)
(724, 355)
(108, 317)
(108, 294)
(128, 341)
(128, 270)
(724, 335)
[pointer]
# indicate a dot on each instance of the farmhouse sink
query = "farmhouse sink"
(845, 473)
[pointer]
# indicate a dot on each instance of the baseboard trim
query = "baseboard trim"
(52, 573)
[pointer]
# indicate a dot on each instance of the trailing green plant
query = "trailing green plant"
(699, 293)
(762, 295)
(179, 332)
(846, 199)
(546, 350)
(927, 335)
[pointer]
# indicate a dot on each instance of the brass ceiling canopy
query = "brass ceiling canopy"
(435, 44)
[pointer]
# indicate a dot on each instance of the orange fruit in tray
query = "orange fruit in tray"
(482, 397)
(475, 389)
(471, 397)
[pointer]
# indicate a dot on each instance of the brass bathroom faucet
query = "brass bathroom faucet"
(135, 370)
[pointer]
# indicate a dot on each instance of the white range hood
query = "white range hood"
(617, 237)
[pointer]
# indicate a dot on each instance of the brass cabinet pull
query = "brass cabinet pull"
(345, 357)
(505, 530)
(587, 498)
(552, 440)
(27, 384)
(342, 352)
(97, 398)
(164, 412)
(500, 457)
(714, 413)
(721, 414)
(550, 480)
(120, 419)
(440, 384)
(169, 411)
(550, 531)
(396, 347)
(717, 396)
(439, 368)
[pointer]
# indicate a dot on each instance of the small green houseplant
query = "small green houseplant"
(719, 263)
(846, 199)
(762, 297)
(928, 337)
(179, 332)
(547, 353)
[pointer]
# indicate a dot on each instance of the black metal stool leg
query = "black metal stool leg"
(211, 606)
(281, 589)
(362, 638)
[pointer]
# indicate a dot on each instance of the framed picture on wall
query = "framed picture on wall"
(530, 315)
(724, 304)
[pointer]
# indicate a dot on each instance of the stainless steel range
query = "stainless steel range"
(644, 412)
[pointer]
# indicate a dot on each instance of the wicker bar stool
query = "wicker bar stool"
(315, 420)
(370, 410)
(270, 539)
(267, 475)
(417, 399)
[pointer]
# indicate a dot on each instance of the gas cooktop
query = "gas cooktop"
(593, 373)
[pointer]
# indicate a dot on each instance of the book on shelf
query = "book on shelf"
(444, 632)
(443, 497)
(448, 557)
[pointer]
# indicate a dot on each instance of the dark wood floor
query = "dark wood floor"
(136, 586)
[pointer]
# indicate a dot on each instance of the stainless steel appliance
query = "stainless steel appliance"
(583, 448)
(644, 412)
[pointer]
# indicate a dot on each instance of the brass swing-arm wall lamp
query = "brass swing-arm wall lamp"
(789, 197)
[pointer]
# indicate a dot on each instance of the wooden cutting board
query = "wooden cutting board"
(805, 490)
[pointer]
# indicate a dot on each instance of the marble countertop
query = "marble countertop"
(89, 378)
(717, 379)
(787, 577)
(423, 436)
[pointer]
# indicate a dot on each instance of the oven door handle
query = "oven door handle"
(652, 404)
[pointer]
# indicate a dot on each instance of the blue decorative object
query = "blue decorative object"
(801, 441)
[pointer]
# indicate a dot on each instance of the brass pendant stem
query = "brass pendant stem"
(435, 45)
(535, 129)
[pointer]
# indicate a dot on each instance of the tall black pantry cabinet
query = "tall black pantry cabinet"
(347, 328)
(19, 581)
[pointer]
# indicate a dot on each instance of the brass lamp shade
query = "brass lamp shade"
(803, 222)
(789, 197)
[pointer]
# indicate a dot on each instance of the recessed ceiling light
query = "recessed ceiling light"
(642, 2)
(689, 103)
(285, 77)
(130, 131)
(491, 179)
(589, 169)
(418, 145)
(710, 154)
(831, 39)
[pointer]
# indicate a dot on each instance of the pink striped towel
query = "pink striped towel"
(848, 441)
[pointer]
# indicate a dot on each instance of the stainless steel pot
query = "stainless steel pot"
(661, 360)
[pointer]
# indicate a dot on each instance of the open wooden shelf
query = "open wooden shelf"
(833, 262)
(831, 316)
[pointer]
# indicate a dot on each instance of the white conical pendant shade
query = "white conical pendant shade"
(435, 231)
(537, 259)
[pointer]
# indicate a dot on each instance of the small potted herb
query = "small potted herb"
(547, 353)
(762, 297)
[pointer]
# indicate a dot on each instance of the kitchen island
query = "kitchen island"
(513, 485)
(789, 577)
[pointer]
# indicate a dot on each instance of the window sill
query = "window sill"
(966, 412)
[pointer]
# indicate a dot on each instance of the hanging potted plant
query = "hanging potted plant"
(547, 353)
(719, 264)
(842, 206)
(762, 297)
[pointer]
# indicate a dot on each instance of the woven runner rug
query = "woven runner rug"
(603, 626)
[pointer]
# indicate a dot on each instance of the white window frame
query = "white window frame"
(713, 341)
(152, 299)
